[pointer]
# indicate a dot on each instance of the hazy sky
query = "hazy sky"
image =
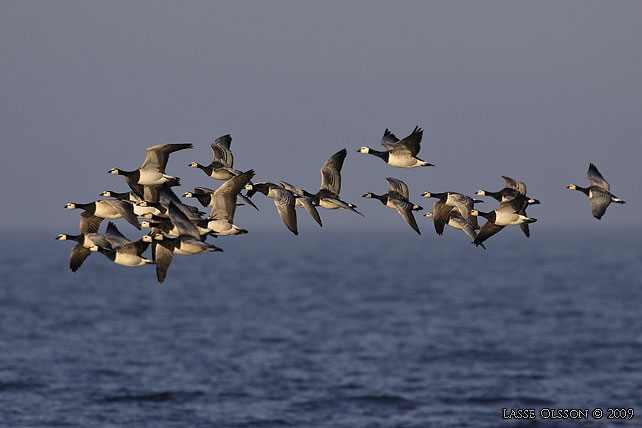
(531, 89)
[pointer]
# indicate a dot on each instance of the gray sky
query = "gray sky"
(533, 90)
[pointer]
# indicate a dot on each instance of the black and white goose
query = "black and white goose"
(508, 214)
(513, 189)
(447, 201)
(599, 192)
(399, 153)
(328, 194)
(152, 172)
(222, 165)
(397, 198)
(94, 213)
(80, 251)
(123, 251)
(283, 199)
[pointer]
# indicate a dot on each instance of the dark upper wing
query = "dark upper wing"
(398, 186)
(331, 172)
(410, 144)
(596, 179)
(389, 139)
(405, 210)
(156, 156)
(126, 210)
(114, 236)
(284, 201)
(163, 258)
(440, 213)
(487, 230)
(89, 223)
(511, 183)
(224, 198)
(182, 222)
(78, 256)
(221, 152)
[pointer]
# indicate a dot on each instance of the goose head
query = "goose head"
(364, 149)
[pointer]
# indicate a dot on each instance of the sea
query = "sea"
(331, 328)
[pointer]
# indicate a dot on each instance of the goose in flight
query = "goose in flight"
(328, 194)
(599, 192)
(94, 213)
(513, 189)
(152, 171)
(283, 199)
(397, 198)
(399, 153)
(508, 214)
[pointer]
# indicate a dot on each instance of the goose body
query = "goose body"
(223, 203)
(95, 212)
(599, 193)
(283, 199)
(397, 198)
(152, 171)
(399, 153)
(513, 189)
(84, 242)
(328, 194)
(508, 214)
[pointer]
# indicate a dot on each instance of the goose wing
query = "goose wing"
(284, 201)
(115, 238)
(398, 186)
(221, 152)
(78, 256)
(440, 213)
(126, 210)
(596, 179)
(464, 204)
(405, 211)
(389, 139)
(163, 257)
(224, 198)
(600, 201)
(182, 222)
(460, 221)
(511, 183)
(411, 144)
(156, 156)
(89, 223)
(487, 230)
(331, 172)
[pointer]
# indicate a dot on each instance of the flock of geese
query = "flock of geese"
(180, 228)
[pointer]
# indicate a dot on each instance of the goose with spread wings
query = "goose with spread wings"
(399, 153)
(599, 192)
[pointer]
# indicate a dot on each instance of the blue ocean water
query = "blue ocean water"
(327, 329)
